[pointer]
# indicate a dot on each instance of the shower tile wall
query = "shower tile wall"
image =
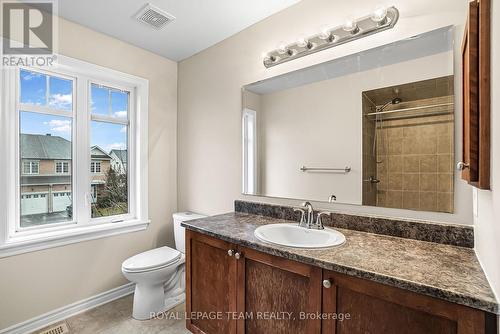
(416, 161)
(369, 163)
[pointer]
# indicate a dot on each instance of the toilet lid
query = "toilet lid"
(158, 257)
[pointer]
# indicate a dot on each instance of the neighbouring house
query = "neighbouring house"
(99, 166)
(119, 160)
(46, 173)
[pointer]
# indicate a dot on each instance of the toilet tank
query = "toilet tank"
(179, 232)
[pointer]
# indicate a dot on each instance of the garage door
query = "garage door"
(60, 201)
(34, 203)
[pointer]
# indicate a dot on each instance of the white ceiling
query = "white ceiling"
(199, 24)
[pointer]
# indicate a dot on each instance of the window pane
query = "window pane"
(26, 167)
(33, 88)
(61, 93)
(109, 175)
(34, 167)
(43, 140)
(99, 100)
(119, 104)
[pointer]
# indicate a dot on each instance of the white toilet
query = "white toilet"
(159, 274)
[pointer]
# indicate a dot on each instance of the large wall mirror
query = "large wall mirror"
(373, 128)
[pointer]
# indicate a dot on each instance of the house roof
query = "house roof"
(98, 153)
(47, 147)
(44, 147)
(120, 154)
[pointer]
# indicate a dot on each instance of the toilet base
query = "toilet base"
(148, 300)
(152, 299)
(143, 311)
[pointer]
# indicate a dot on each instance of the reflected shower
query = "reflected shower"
(396, 100)
(379, 123)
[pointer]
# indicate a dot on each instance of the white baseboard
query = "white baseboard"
(67, 311)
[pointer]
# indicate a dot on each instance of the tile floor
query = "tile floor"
(116, 318)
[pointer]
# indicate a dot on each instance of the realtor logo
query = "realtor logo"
(28, 28)
(28, 31)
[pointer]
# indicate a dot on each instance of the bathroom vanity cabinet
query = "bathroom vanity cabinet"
(234, 289)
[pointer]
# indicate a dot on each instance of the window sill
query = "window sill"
(35, 242)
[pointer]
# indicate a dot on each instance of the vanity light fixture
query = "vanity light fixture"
(302, 42)
(351, 26)
(325, 32)
(379, 15)
(382, 18)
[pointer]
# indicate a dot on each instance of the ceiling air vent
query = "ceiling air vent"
(154, 16)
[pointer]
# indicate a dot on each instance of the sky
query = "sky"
(54, 92)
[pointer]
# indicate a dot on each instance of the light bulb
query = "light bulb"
(325, 32)
(379, 15)
(351, 26)
(282, 49)
(302, 42)
(267, 57)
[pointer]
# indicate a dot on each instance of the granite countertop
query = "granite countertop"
(446, 272)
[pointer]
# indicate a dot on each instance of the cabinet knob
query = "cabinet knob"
(237, 255)
(462, 165)
(230, 252)
(327, 283)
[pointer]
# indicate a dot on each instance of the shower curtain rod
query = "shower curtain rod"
(409, 109)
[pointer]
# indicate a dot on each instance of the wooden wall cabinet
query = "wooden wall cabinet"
(246, 282)
(476, 53)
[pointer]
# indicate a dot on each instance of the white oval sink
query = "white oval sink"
(292, 235)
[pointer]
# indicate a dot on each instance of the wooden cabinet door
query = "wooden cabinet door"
(211, 285)
(476, 95)
(380, 309)
(271, 287)
(470, 87)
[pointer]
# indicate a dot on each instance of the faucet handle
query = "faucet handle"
(302, 215)
(307, 205)
(319, 220)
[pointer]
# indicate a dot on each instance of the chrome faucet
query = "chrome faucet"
(307, 217)
(310, 213)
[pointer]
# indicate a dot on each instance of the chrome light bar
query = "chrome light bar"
(381, 19)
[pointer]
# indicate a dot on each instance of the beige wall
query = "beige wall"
(487, 220)
(34, 283)
(210, 84)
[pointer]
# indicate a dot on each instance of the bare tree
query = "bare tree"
(115, 193)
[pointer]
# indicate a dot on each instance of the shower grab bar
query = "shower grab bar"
(317, 169)
(409, 109)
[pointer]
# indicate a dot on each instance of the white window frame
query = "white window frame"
(63, 163)
(14, 240)
(31, 162)
(250, 170)
(93, 167)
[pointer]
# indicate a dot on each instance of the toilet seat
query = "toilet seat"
(152, 260)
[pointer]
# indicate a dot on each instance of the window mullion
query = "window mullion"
(82, 147)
